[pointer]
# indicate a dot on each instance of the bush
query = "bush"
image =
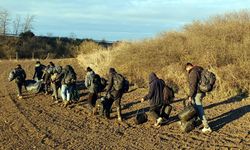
(221, 44)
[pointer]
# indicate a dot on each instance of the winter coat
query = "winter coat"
(155, 94)
(194, 76)
(89, 82)
(38, 71)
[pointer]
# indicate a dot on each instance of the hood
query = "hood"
(152, 77)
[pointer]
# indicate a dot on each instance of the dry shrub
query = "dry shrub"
(221, 44)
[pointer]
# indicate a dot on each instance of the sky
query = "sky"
(116, 19)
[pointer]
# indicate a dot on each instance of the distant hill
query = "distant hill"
(27, 45)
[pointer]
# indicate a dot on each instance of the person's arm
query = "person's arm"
(150, 92)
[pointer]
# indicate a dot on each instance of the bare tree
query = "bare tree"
(17, 25)
(27, 25)
(4, 21)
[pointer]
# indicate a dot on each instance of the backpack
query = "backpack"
(19, 75)
(125, 85)
(70, 77)
(168, 94)
(207, 81)
(96, 82)
(118, 82)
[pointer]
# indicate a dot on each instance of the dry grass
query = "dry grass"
(221, 44)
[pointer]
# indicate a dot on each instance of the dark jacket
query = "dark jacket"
(110, 88)
(38, 71)
(194, 76)
(20, 75)
(155, 93)
(64, 74)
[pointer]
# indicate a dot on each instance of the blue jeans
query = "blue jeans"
(66, 92)
(199, 108)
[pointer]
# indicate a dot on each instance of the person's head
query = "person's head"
(18, 66)
(189, 66)
(51, 64)
(89, 69)
(38, 62)
(112, 70)
(152, 76)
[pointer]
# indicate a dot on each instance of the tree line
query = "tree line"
(15, 25)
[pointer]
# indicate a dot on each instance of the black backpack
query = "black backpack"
(97, 82)
(207, 81)
(125, 85)
(70, 76)
(168, 94)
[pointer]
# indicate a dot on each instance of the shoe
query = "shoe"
(94, 111)
(158, 122)
(20, 97)
(206, 130)
(66, 103)
(120, 119)
(56, 101)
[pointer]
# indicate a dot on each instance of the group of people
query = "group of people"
(160, 95)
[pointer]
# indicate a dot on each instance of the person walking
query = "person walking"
(196, 95)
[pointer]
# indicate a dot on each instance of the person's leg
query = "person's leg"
(118, 97)
(68, 92)
(63, 92)
(90, 98)
(19, 89)
(200, 110)
(54, 95)
(155, 111)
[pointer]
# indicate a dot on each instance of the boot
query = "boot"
(94, 111)
(65, 104)
(158, 122)
(119, 114)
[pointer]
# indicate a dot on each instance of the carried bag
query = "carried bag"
(207, 81)
(187, 126)
(141, 117)
(188, 113)
(33, 86)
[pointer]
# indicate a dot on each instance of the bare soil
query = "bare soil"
(35, 122)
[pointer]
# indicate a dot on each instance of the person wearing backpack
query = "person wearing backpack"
(68, 76)
(195, 94)
(38, 71)
(92, 83)
(19, 75)
(115, 90)
(155, 97)
(47, 76)
(56, 82)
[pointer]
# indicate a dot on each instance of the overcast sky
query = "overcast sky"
(117, 19)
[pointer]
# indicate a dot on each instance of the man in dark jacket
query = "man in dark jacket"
(38, 71)
(195, 95)
(155, 96)
(114, 94)
(19, 75)
(93, 89)
(47, 76)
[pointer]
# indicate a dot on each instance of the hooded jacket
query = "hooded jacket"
(88, 82)
(155, 93)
